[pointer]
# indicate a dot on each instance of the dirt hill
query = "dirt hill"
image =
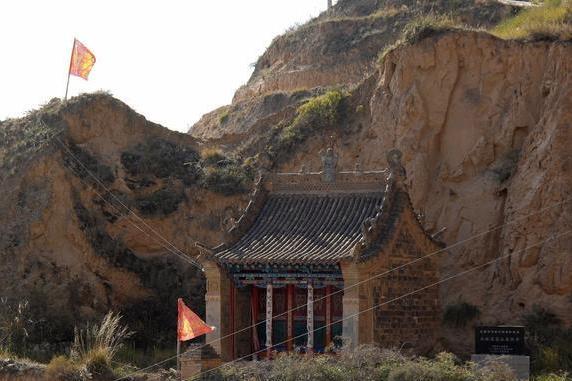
(338, 48)
(483, 124)
(101, 209)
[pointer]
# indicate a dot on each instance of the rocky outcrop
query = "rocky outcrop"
(483, 124)
(338, 48)
(105, 216)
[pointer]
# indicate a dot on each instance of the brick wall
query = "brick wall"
(412, 321)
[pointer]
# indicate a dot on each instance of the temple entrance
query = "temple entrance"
(290, 319)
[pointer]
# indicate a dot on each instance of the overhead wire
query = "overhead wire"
(457, 275)
(176, 251)
(375, 276)
(164, 242)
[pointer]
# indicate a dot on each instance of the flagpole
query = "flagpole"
(178, 359)
(69, 71)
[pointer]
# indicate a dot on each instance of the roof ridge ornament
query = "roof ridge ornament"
(329, 164)
(396, 168)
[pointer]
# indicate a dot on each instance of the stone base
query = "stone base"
(197, 359)
(520, 364)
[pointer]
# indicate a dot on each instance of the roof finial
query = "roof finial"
(329, 163)
(395, 166)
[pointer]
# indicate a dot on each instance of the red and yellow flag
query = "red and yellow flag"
(189, 324)
(82, 60)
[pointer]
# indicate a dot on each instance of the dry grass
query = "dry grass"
(550, 21)
(212, 155)
(429, 25)
(365, 363)
(423, 27)
(62, 368)
(97, 344)
(15, 323)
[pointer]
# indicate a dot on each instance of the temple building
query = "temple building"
(312, 253)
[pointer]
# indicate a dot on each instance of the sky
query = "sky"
(171, 61)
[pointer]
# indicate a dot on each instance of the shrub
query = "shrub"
(227, 179)
(62, 368)
(162, 202)
(90, 167)
(506, 167)
(364, 363)
(553, 377)
(162, 159)
(97, 344)
(317, 113)
(543, 325)
(458, 315)
(495, 371)
(24, 138)
(443, 368)
(549, 343)
(98, 363)
(212, 156)
(552, 20)
(223, 116)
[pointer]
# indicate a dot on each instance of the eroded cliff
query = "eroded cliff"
(101, 210)
(483, 123)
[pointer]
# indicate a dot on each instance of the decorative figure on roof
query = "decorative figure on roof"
(303, 169)
(396, 168)
(357, 169)
(329, 164)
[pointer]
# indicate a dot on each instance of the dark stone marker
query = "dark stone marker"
(499, 341)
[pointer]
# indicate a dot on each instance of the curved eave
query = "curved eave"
(303, 229)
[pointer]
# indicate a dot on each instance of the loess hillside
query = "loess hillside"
(483, 123)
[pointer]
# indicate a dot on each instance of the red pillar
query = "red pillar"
(232, 321)
(290, 321)
(328, 316)
(255, 300)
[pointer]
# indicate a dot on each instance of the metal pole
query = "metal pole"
(179, 359)
(69, 71)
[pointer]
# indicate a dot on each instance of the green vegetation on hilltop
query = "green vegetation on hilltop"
(316, 114)
(550, 21)
(424, 27)
(429, 25)
(223, 174)
(158, 161)
(22, 139)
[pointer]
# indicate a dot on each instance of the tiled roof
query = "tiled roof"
(304, 228)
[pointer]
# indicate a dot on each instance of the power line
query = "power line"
(169, 246)
(514, 221)
(388, 302)
(182, 255)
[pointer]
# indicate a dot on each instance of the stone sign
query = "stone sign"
(499, 341)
